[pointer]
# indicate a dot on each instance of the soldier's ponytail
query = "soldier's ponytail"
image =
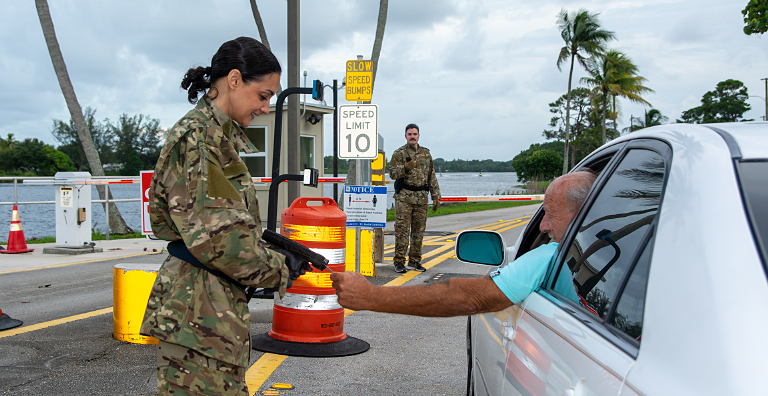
(250, 57)
(195, 81)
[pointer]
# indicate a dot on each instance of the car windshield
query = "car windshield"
(752, 176)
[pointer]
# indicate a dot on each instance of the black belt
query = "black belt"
(415, 188)
(179, 250)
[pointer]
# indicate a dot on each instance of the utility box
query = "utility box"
(73, 209)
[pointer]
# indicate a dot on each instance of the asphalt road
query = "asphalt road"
(407, 355)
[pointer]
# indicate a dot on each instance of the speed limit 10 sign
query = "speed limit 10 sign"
(358, 131)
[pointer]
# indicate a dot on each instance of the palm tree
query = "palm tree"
(379, 38)
(263, 35)
(652, 117)
(7, 143)
(582, 33)
(613, 74)
(627, 84)
(117, 224)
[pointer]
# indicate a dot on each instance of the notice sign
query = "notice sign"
(359, 81)
(146, 179)
(66, 197)
(365, 206)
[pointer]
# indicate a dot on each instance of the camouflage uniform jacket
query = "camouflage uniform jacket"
(202, 193)
(422, 174)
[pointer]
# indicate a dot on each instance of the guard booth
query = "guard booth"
(260, 133)
(73, 209)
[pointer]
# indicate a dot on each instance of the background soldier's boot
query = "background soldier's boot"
(416, 267)
(400, 268)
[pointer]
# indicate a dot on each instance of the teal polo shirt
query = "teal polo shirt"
(521, 277)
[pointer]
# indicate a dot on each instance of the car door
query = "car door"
(581, 331)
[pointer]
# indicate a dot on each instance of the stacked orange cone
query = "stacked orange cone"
(7, 322)
(16, 241)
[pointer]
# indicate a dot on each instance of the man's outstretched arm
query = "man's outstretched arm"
(450, 297)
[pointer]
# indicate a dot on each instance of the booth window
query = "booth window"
(307, 152)
(256, 162)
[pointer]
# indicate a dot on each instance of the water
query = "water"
(39, 220)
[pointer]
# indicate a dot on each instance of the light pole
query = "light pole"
(766, 97)
(765, 117)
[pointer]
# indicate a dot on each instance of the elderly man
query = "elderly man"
(490, 293)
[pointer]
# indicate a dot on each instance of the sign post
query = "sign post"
(358, 134)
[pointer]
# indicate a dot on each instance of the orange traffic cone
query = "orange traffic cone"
(16, 241)
(6, 322)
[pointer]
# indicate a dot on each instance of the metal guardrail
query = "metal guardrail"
(105, 180)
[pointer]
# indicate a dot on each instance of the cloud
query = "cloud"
(476, 75)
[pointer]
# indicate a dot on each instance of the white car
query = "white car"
(669, 256)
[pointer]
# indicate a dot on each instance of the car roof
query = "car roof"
(745, 140)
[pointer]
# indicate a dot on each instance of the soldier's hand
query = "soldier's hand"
(296, 267)
(410, 165)
(435, 205)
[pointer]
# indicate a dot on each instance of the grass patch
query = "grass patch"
(464, 207)
(95, 236)
(537, 186)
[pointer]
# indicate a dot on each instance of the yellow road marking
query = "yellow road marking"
(260, 371)
(411, 274)
(490, 226)
(512, 226)
(79, 262)
(27, 329)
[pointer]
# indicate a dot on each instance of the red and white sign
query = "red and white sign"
(146, 179)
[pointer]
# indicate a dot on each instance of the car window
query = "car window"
(628, 317)
(752, 179)
(609, 239)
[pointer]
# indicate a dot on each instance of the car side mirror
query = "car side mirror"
(481, 247)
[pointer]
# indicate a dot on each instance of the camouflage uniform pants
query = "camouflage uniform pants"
(184, 371)
(411, 218)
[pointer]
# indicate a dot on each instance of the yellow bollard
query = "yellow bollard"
(131, 286)
(367, 266)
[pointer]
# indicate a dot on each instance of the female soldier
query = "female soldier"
(202, 199)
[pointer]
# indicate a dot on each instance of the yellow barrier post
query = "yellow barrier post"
(132, 284)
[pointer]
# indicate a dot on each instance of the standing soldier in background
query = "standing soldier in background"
(414, 174)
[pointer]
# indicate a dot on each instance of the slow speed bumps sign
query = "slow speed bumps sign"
(359, 81)
(358, 131)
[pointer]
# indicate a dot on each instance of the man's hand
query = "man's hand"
(410, 165)
(296, 267)
(353, 290)
(435, 205)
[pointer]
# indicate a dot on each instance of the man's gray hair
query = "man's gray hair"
(578, 187)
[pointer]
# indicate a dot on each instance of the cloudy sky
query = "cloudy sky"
(477, 76)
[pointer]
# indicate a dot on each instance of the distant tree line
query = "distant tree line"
(133, 143)
(441, 165)
(460, 165)
(343, 165)
(31, 157)
(125, 147)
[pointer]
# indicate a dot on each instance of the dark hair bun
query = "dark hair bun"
(194, 82)
(254, 61)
